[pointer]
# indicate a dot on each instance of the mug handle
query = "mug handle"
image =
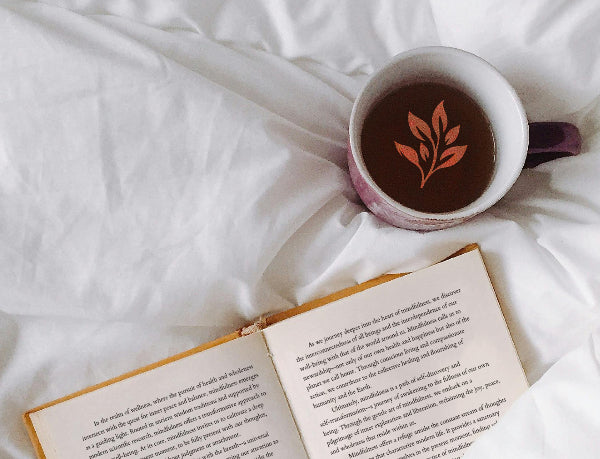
(551, 140)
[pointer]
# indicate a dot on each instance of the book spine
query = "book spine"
(258, 325)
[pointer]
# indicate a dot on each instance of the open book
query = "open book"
(403, 366)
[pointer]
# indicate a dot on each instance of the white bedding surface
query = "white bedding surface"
(170, 170)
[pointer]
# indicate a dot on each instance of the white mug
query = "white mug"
(482, 83)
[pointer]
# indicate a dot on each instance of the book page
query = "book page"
(224, 402)
(414, 367)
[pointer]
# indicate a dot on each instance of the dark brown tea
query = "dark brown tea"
(429, 147)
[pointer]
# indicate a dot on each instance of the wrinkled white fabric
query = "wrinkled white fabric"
(170, 170)
(555, 418)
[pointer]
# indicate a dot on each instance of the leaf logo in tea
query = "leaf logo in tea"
(435, 153)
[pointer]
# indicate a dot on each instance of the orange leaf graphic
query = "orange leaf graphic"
(424, 152)
(419, 128)
(434, 157)
(454, 155)
(439, 114)
(452, 135)
(408, 153)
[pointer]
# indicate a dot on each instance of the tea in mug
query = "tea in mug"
(429, 147)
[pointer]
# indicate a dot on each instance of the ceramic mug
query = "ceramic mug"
(494, 95)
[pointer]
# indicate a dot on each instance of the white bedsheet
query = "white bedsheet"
(170, 170)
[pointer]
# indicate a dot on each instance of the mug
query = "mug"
(479, 80)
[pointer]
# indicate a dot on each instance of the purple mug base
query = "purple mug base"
(388, 213)
(548, 140)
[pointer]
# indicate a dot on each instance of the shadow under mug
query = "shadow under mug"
(518, 143)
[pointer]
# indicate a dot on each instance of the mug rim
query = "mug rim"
(478, 205)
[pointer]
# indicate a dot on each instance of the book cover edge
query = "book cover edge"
(278, 317)
(500, 308)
